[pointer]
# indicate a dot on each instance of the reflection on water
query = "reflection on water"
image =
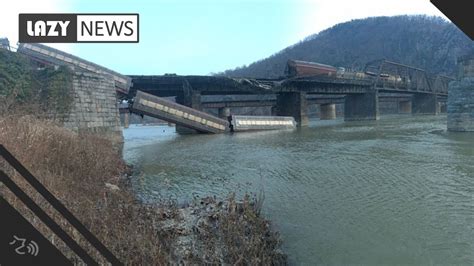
(395, 191)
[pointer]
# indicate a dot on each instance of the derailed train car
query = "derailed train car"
(297, 68)
(254, 123)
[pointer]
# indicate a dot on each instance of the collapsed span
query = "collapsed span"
(154, 106)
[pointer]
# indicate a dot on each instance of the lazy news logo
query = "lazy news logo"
(69, 28)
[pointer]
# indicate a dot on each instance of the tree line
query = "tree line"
(426, 42)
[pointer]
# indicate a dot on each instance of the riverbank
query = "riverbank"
(85, 172)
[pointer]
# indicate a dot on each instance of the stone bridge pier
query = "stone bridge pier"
(363, 106)
(126, 119)
(273, 110)
(94, 108)
(224, 112)
(425, 103)
(404, 107)
(327, 111)
(443, 107)
(293, 104)
(461, 97)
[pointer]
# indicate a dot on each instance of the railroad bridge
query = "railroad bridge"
(418, 92)
(415, 90)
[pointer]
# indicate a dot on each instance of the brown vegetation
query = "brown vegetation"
(87, 175)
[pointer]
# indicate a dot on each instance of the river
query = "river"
(396, 191)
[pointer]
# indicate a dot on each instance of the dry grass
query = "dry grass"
(76, 169)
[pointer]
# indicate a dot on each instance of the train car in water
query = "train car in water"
(252, 123)
(297, 68)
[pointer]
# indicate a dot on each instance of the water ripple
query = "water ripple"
(396, 191)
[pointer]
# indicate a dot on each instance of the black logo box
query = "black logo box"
(44, 217)
(71, 36)
(14, 224)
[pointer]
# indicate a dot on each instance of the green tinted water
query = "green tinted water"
(395, 191)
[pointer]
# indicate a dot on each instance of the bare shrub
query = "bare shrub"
(249, 238)
(76, 169)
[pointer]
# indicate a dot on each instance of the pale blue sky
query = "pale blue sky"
(200, 37)
(196, 37)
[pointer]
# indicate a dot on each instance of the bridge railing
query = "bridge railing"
(387, 74)
(440, 84)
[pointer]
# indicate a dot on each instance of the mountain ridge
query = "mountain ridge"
(426, 42)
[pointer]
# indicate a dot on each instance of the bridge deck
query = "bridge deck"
(150, 105)
(381, 75)
(49, 55)
(171, 85)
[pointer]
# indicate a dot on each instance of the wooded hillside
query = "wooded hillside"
(429, 43)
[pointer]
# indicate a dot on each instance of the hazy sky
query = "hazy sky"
(199, 37)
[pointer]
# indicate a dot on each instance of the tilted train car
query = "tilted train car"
(297, 68)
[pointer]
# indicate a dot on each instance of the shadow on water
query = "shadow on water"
(394, 191)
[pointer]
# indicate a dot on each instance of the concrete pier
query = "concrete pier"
(404, 107)
(361, 107)
(443, 107)
(293, 104)
(327, 111)
(224, 112)
(425, 104)
(461, 97)
(126, 120)
(190, 98)
(273, 110)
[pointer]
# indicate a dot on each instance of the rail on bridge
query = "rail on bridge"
(395, 76)
(50, 56)
(157, 107)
